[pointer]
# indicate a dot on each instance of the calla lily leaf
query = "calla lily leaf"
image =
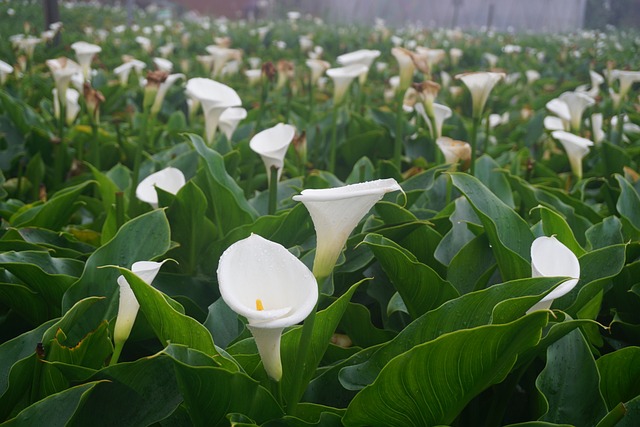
(572, 378)
(606, 233)
(628, 203)
(508, 233)
(421, 288)
(554, 225)
(619, 372)
(431, 383)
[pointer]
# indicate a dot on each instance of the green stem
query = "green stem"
(137, 159)
(60, 150)
(397, 147)
(119, 209)
(473, 143)
(95, 146)
(116, 353)
(333, 143)
(273, 190)
(619, 128)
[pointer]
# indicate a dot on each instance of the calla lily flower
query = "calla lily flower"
(72, 106)
(576, 147)
(532, 76)
(626, 79)
(596, 81)
(480, 85)
(62, 70)
(262, 281)
(596, 127)
(85, 53)
(454, 55)
(144, 43)
(362, 56)
(576, 102)
(491, 59)
(128, 306)
(124, 70)
(549, 258)
(336, 212)
(272, 144)
(163, 89)
(455, 151)
(215, 97)
(552, 123)
(222, 55)
(406, 64)
(318, 67)
(342, 78)
(168, 179)
(230, 119)
(253, 76)
(163, 64)
(5, 70)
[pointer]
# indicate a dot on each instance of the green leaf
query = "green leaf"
(223, 323)
(56, 409)
(629, 202)
(472, 266)
(508, 233)
(619, 374)
(487, 172)
(421, 288)
(212, 393)
(123, 250)
(53, 214)
(554, 224)
(606, 233)
(632, 416)
(169, 324)
(28, 304)
(231, 208)
(431, 383)
(570, 383)
(468, 311)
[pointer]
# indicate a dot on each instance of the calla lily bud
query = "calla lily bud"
(128, 306)
(549, 258)
(272, 144)
(480, 85)
(168, 179)
(576, 147)
(455, 151)
(154, 80)
(262, 281)
(336, 212)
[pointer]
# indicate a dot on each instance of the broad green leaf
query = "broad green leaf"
(90, 352)
(231, 208)
(538, 424)
(570, 383)
(54, 213)
(508, 233)
(619, 375)
(107, 187)
(487, 172)
(421, 288)
(472, 266)
(28, 304)
(169, 325)
(131, 394)
(61, 245)
(223, 323)
(468, 311)
(554, 224)
(628, 204)
(211, 393)
(356, 324)
(460, 233)
(123, 250)
(632, 415)
(56, 409)
(50, 277)
(606, 233)
(431, 383)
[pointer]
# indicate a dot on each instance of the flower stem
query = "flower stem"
(116, 353)
(473, 143)
(273, 190)
(95, 146)
(397, 147)
(619, 128)
(333, 143)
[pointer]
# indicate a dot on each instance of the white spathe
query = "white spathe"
(5, 70)
(576, 147)
(85, 53)
(550, 258)
(272, 144)
(262, 281)
(215, 97)
(362, 56)
(162, 91)
(342, 78)
(72, 106)
(63, 70)
(317, 67)
(336, 212)
(168, 179)
(406, 65)
(163, 64)
(480, 85)
(454, 151)
(128, 304)
(230, 119)
(576, 102)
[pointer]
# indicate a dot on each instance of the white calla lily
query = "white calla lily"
(168, 179)
(62, 70)
(455, 151)
(230, 119)
(163, 64)
(596, 127)
(124, 70)
(342, 78)
(362, 56)
(163, 89)
(576, 147)
(576, 102)
(318, 67)
(272, 144)
(480, 85)
(336, 212)
(626, 79)
(85, 53)
(406, 65)
(262, 281)
(552, 123)
(215, 97)
(128, 304)
(5, 70)
(72, 106)
(549, 258)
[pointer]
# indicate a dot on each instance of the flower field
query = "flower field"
(289, 223)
